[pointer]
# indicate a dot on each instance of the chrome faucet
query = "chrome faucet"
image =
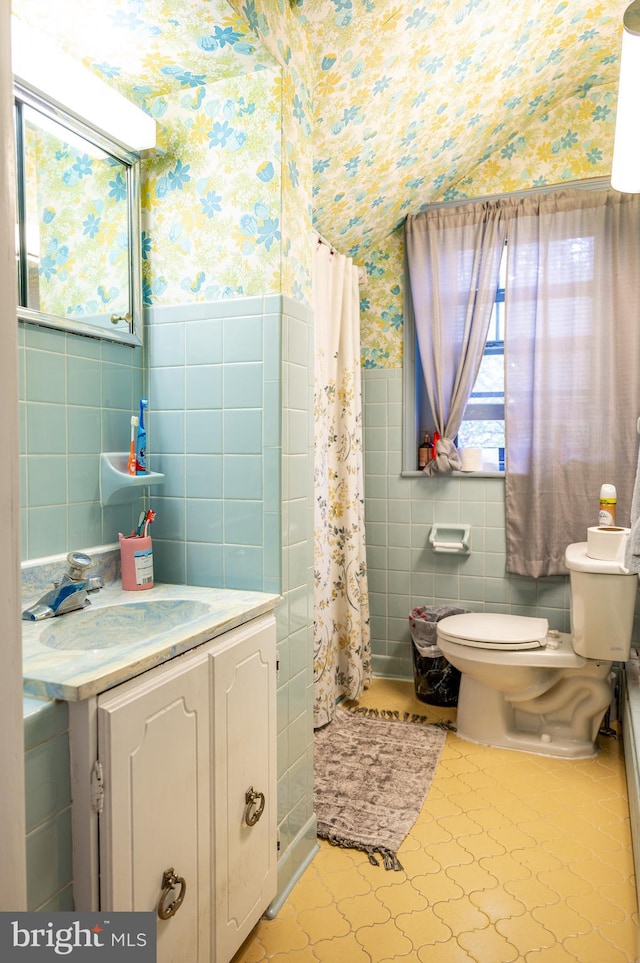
(67, 595)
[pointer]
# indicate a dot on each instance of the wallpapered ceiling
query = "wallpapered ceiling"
(373, 109)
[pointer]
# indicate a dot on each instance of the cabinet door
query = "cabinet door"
(244, 707)
(154, 746)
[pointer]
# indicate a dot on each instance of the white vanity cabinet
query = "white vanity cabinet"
(184, 782)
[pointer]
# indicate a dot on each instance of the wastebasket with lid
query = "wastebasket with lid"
(436, 681)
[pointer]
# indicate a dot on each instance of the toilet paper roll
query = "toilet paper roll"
(471, 459)
(606, 542)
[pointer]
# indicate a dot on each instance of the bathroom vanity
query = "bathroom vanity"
(173, 757)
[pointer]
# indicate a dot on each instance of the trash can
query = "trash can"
(435, 680)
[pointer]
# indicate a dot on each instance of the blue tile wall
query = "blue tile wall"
(403, 570)
(48, 806)
(76, 399)
(214, 423)
(296, 817)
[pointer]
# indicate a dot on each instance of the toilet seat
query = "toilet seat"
(490, 630)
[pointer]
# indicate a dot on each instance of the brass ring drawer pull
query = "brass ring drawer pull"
(169, 883)
(254, 807)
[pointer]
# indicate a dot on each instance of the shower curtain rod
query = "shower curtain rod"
(323, 240)
(362, 274)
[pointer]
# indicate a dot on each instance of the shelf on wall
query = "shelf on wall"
(117, 486)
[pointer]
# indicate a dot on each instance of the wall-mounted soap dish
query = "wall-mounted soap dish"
(117, 486)
(450, 538)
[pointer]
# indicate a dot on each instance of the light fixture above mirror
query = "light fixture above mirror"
(625, 172)
(41, 66)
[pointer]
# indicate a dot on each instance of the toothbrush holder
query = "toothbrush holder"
(136, 562)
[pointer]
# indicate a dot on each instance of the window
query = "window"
(483, 422)
(550, 261)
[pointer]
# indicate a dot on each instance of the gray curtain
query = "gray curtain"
(572, 369)
(453, 260)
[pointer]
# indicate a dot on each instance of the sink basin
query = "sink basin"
(123, 624)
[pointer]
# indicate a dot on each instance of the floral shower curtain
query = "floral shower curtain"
(342, 649)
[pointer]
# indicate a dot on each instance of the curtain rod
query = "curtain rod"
(362, 274)
(323, 240)
(589, 184)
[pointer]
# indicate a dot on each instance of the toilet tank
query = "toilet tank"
(603, 598)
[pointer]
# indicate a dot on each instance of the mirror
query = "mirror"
(78, 238)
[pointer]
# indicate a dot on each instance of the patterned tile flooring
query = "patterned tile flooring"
(514, 857)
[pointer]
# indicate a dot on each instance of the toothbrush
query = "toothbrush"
(148, 520)
(144, 520)
(141, 518)
(141, 441)
(131, 464)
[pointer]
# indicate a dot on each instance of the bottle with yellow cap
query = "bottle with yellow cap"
(608, 501)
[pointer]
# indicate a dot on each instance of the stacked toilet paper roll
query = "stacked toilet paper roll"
(471, 459)
(606, 542)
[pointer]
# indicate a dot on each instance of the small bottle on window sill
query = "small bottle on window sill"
(425, 452)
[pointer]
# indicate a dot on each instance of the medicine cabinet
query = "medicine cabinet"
(78, 243)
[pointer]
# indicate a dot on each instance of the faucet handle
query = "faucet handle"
(77, 565)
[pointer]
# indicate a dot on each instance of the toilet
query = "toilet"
(528, 687)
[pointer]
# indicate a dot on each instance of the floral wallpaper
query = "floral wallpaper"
(410, 100)
(366, 110)
(208, 232)
(148, 47)
(280, 32)
(425, 102)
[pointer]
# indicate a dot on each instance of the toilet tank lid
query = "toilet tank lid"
(577, 560)
(496, 628)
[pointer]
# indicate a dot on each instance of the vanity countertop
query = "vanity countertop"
(75, 673)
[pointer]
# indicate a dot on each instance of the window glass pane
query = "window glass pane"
(483, 424)
(496, 325)
(481, 434)
(490, 381)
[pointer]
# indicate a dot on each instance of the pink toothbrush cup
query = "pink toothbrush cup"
(136, 562)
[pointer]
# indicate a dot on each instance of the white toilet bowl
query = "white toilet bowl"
(526, 687)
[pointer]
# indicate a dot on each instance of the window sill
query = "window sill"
(454, 474)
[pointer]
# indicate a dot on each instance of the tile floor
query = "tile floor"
(514, 857)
